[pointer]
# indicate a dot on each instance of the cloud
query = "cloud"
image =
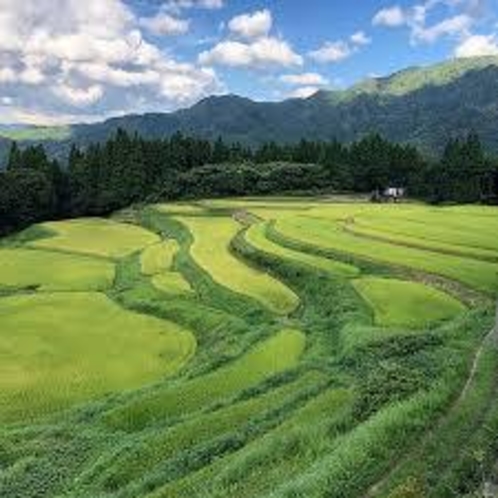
(163, 24)
(478, 45)
(337, 51)
(307, 79)
(264, 52)
(179, 5)
(64, 57)
(360, 38)
(461, 16)
(10, 114)
(80, 97)
(332, 52)
(304, 92)
(253, 25)
(453, 26)
(391, 17)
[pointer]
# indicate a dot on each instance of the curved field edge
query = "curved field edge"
(96, 237)
(42, 270)
(277, 354)
(256, 236)
(158, 257)
(404, 303)
(64, 348)
(480, 275)
(211, 250)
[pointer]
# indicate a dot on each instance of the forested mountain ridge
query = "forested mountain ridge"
(421, 106)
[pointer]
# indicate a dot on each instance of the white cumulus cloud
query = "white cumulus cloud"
(304, 92)
(332, 52)
(458, 25)
(73, 58)
(457, 22)
(392, 17)
(307, 79)
(179, 5)
(264, 52)
(478, 45)
(360, 38)
(253, 25)
(79, 96)
(163, 24)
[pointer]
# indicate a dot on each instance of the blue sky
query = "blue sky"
(67, 60)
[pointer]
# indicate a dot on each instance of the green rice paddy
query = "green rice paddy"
(97, 237)
(212, 237)
(50, 271)
(58, 349)
(397, 302)
(263, 347)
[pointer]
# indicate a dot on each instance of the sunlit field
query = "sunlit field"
(261, 347)
(96, 236)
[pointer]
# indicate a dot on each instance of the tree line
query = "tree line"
(129, 169)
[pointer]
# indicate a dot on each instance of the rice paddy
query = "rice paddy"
(58, 349)
(49, 271)
(397, 302)
(95, 236)
(158, 257)
(253, 348)
(211, 250)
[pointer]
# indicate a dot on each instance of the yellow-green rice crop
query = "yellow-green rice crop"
(158, 257)
(256, 236)
(171, 282)
(212, 237)
(398, 302)
(439, 231)
(50, 271)
(277, 354)
(96, 236)
(58, 349)
(327, 234)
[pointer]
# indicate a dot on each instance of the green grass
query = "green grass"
(404, 303)
(96, 237)
(256, 236)
(271, 458)
(210, 249)
(158, 257)
(204, 427)
(277, 354)
(59, 349)
(434, 458)
(327, 234)
(52, 271)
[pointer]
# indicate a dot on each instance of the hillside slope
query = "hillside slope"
(423, 106)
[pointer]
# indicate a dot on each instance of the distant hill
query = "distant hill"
(423, 106)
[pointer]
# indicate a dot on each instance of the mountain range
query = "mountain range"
(424, 106)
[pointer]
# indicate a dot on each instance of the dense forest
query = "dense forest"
(129, 169)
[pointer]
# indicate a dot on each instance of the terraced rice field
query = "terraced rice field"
(397, 302)
(50, 271)
(269, 348)
(211, 250)
(58, 349)
(97, 237)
